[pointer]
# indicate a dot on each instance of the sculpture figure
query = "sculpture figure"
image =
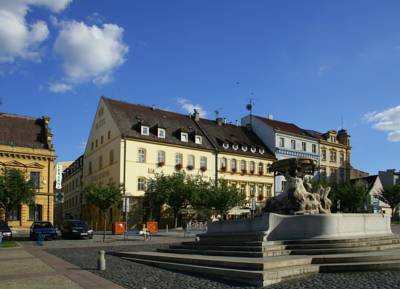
(299, 197)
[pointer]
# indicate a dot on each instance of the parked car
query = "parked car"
(5, 230)
(46, 229)
(76, 229)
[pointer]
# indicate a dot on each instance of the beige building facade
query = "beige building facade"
(26, 145)
(128, 144)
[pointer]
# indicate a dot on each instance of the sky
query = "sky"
(316, 63)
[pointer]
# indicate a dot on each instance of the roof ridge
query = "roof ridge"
(18, 115)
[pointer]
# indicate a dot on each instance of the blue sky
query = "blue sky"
(307, 62)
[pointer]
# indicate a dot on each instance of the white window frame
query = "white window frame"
(282, 142)
(141, 185)
(314, 148)
(161, 156)
(143, 129)
(184, 136)
(161, 132)
(198, 139)
(293, 144)
(178, 156)
(203, 162)
(303, 146)
(141, 155)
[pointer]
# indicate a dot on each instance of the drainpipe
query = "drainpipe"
(48, 190)
(124, 188)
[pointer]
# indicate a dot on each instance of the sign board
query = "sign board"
(59, 176)
(125, 204)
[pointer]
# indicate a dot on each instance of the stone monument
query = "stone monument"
(299, 196)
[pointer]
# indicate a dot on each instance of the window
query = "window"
(90, 168)
(144, 130)
(233, 165)
(203, 163)
(323, 155)
(35, 212)
(92, 145)
(244, 148)
(341, 158)
(260, 168)
(243, 188)
(260, 196)
(333, 156)
(101, 140)
(282, 142)
(161, 158)
(35, 179)
(304, 146)
(141, 155)
(323, 173)
(252, 190)
(235, 147)
(314, 148)
(252, 167)
(184, 137)
(198, 139)
(283, 186)
(15, 214)
(223, 164)
(100, 162)
(111, 157)
(141, 186)
(293, 144)
(161, 132)
(268, 191)
(109, 134)
(97, 142)
(243, 166)
(178, 159)
(333, 139)
(190, 164)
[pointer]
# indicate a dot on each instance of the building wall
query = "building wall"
(389, 177)
(264, 132)
(72, 187)
(338, 170)
(32, 160)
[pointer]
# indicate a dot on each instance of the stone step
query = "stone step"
(259, 236)
(213, 252)
(332, 240)
(389, 255)
(247, 277)
(360, 266)
(367, 243)
(343, 250)
(227, 248)
(245, 263)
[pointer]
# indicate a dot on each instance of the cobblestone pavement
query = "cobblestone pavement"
(138, 276)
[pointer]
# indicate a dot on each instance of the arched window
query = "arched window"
(233, 165)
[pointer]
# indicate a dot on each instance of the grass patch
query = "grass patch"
(8, 244)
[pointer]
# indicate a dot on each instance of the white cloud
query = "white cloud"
(189, 107)
(59, 87)
(322, 69)
(19, 39)
(90, 53)
(388, 121)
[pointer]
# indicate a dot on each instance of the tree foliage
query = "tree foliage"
(15, 189)
(103, 197)
(391, 196)
(354, 197)
(179, 190)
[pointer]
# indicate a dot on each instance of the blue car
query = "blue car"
(45, 229)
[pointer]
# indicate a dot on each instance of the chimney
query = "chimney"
(196, 115)
(225, 120)
(236, 122)
(153, 107)
(219, 121)
(270, 116)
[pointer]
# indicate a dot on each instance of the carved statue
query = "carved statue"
(299, 196)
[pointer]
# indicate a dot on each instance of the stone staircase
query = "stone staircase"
(249, 259)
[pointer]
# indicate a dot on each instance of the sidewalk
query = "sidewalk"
(33, 268)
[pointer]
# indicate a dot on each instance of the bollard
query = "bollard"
(39, 239)
(101, 261)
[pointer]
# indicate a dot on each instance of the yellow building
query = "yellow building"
(72, 187)
(334, 155)
(26, 144)
(130, 143)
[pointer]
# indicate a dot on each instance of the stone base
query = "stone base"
(296, 227)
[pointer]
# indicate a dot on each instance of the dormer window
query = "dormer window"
(235, 147)
(198, 139)
(184, 136)
(225, 145)
(145, 130)
(244, 148)
(261, 151)
(161, 132)
(253, 150)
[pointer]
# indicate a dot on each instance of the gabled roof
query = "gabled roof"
(23, 131)
(370, 180)
(224, 136)
(129, 118)
(285, 127)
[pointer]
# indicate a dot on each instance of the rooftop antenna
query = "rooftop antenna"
(249, 107)
(341, 121)
(217, 112)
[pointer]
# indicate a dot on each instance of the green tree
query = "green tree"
(15, 189)
(103, 197)
(391, 196)
(222, 196)
(354, 197)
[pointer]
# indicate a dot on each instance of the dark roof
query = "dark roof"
(229, 135)
(284, 126)
(129, 118)
(316, 134)
(23, 131)
(72, 168)
(370, 180)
